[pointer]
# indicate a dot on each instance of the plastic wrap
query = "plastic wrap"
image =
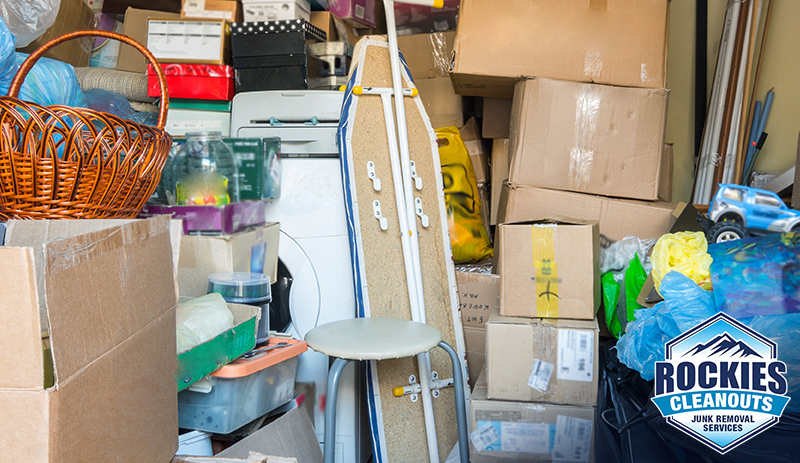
(684, 252)
(581, 160)
(685, 306)
(27, 19)
(50, 82)
(200, 319)
(757, 276)
(468, 236)
(8, 62)
(116, 104)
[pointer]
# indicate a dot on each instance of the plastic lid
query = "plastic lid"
(247, 366)
(241, 287)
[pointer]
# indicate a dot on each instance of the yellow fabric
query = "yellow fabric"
(684, 252)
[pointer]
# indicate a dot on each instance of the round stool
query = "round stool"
(380, 339)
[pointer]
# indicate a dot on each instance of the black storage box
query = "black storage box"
(259, 73)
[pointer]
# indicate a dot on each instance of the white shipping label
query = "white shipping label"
(484, 436)
(573, 439)
(194, 6)
(199, 124)
(575, 355)
(540, 375)
(525, 437)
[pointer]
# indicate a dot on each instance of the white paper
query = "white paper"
(573, 439)
(484, 436)
(576, 355)
(194, 6)
(525, 437)
(540, 375)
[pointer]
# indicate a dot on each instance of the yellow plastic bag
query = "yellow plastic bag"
(684, 252)
(468, 236)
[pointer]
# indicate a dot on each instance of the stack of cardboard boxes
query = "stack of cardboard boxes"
(575, 103)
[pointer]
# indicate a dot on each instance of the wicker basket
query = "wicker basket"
(59, 162)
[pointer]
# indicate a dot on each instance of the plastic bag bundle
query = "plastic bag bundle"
(685, 306)
(201, 319)
(684, 252)
(50, 82)
(27, 19)
(468, 236)
(8, 62)
(116, 104)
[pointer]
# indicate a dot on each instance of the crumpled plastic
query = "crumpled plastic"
(50, 82)
(8, 63)
(684, 252)
(201, 319)
(27, 19)
(685, 306)
(116, 104)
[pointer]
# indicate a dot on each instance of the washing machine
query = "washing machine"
(314, 250)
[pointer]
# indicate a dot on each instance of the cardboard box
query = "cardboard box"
(290, 436)
(542, 360)
(444, 107)
(479, 297)
(549, 269)
(496, 117)
(229, 10)
(276, 10)
(428, 56)
(499, 161)
(73, 15)
(616, 42)
(335, 28)
(477, 154)
(135, 27)
(588, 138)
(358, 13)
(618, 218)
(196, 41)
(665, 182)
(249, 251)
(110, 296)
(521, 432)
(475, 342)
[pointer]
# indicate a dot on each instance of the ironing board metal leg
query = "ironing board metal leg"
(461, 401)
(330, 408)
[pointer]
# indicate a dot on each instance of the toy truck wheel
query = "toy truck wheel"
(726, 231)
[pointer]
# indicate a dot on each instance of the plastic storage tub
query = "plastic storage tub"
(243, 390)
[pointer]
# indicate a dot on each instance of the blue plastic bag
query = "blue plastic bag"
(50, 82)
(8, 62)
(116, 104)
(685, 306)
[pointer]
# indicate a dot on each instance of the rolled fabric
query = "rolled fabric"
(132, 85)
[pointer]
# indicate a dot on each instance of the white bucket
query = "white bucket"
(195, 443)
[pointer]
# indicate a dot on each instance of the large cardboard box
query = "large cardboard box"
(479, 297)
(500, 163)
(549, 269)
(588, 138)
(73, 15)
(135, 27)
(335, 29)
(542, 360)
(229, 10)
(496, 117)
(428, 56)
(618, 218)
(444, 107)
(189, 40)
(521, 432)
(248, 251)
(616, 42)
(110, 297)
(471, 136)
(665, 183)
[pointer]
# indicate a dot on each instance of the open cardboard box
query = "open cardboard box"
(107, 298)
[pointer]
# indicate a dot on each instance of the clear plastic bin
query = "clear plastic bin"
(243, 390)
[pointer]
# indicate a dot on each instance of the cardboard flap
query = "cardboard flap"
(292, 436)
(102, 287)
(20, 337)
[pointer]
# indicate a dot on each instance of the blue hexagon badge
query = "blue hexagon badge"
(721, 383)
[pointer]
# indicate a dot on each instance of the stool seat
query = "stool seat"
(373, 338)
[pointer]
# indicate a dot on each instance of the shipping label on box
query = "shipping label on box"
(588, 138)
(525, 431)
(617, 218)
(229, 10)
(542, 360)
(187, 41)
(479, 297)
(262, 11)
(549, 269)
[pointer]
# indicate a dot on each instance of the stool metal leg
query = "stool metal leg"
(330, 408)
(461, 400)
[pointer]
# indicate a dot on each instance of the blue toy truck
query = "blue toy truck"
(739, 211)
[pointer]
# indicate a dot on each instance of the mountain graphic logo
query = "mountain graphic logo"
(723, 346)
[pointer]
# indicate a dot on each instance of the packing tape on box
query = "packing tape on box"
(581, 162)
(546, 270)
